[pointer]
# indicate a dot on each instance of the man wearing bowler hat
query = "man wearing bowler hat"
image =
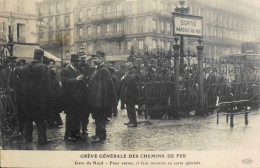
(71, 80)
(37, 91)
(101, 95)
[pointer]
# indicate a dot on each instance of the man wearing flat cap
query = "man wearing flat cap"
(37, 91)
(101, 95)
(71, 80)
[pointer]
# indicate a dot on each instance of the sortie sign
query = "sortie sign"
(187, 25)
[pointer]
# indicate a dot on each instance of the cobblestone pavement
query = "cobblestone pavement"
(193, 133)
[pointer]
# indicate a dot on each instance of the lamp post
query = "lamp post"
(61, 49)
(182, 9)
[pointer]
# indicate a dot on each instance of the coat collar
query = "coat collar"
(101, 66)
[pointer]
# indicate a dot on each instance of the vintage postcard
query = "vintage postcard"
(130, 83)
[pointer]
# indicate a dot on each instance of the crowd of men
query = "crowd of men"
(79, 89)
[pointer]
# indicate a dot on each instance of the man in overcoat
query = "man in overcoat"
(131, 95)
(37, 91)
(71, 80)
(101, 96)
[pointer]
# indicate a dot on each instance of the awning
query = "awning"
(26, 51)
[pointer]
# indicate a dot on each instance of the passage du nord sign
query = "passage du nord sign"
(187, 25)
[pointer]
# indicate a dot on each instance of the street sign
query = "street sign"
(187, 25)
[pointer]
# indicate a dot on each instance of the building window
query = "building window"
(98, 11)
(20, 5)
(50, 9)
(98, 29)
(50, 24)
(89, 30)
(129, 7)
(169, 7)
(67, 21)
(168, 47)
(140, 6)
(118, 27)
(118, 7)
(108, 28)
(89, 48)
(80, 32)
(140, 44)
(162, 5)
(89, 13)
(168, 28)
(154, 22)
(57, 7)
(80, 16)
(154, 4)
(141, 26)
(163, 44)
(67, 54)
(67, 5)
(154, 44)
(129, 45)
(109, 9)
(57, 23)
(162, 27)
(21, 33)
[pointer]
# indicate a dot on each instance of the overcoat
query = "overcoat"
(70, 88)
(101, 90)
(37, 90)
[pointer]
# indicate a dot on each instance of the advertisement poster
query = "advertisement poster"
(129, 83)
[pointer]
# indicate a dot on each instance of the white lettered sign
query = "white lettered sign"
(187, 25)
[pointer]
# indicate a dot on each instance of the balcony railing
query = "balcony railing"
(107, 16)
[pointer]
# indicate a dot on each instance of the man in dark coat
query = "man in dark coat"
(116, 83)
(55, 109)
(37, 92)
(101, 96)
(131, 95)
(71, 80)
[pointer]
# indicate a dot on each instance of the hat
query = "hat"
(99, 54)
(38, 54)
(75, 57)
(23, 61)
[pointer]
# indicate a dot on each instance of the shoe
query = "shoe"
(78, 135)
(70, 139)
(44, 142)
(123, 107)
(96, 139)
(107, 120)
(127, 123)
(132, 125)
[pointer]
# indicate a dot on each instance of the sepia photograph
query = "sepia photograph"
(130, 83)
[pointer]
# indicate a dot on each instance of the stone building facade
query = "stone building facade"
(115, 25)
(55, 26)
(18, 17)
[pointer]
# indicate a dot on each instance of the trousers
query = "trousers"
(41, 128)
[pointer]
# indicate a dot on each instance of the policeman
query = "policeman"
(37, 91)
(71, 79)
(101, 96)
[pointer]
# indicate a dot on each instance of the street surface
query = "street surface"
(193, 133)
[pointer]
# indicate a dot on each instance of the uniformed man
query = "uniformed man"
(101, 96)
(37, 91)
(71, 79)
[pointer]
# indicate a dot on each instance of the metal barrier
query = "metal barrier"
(169, 89)
(8, 110)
